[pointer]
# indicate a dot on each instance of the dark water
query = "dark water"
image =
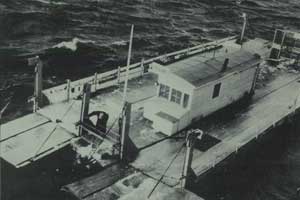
(33, 27)
(267, 168)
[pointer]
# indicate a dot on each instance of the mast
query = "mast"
(127, 67)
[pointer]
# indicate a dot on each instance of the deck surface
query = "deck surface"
(21, 125)
(34, 144)
(267, 109)
(134, 186)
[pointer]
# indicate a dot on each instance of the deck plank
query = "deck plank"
(21, 125)
(95, 183)
(35, 143)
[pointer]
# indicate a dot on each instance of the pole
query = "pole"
(127, 67)
(244, 16)
(85, 105)
(125, 131)
(95, 80)
(187, 169)
(142, 67)
(68, 89)
(38, 85)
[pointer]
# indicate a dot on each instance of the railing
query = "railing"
(107, 79)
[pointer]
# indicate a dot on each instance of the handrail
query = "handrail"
(115, 76)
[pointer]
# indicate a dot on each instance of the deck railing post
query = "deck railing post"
(119, 75)
(68, 89)
(95, 81)
(85, 105)
(142, 67)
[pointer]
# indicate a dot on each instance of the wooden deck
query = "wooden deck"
(133, 186)
(265, 113)
(33, 143)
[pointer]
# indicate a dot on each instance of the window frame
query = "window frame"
(164, 91)
(176, 96)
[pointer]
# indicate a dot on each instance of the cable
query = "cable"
(35, 155)
(163, 175)
(68, 110)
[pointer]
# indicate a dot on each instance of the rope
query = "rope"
(163, 175)
(68, 110)
(35, 155)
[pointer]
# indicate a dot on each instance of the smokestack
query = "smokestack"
(225, 65)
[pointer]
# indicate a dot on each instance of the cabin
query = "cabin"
(194, 87)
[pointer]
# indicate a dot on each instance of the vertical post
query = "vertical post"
(38, 80)
(244, 16)
(95, 81)
(187, 169)
(142, 67)
(125, 131)
(119, 74)
(84, 105)
(214, 53)
(68, 89)
(128, 64)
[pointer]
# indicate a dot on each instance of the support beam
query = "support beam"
(38, 82)
(128, 150)
(187, 169)
(85, 105)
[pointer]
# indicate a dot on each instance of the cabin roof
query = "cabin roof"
(197, 71)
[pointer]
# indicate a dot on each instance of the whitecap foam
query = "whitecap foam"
(51, 2)
(120, 43)
(72, 45)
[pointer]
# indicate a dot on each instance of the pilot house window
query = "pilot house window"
(216, 92)
(164, 91)
(176, 96)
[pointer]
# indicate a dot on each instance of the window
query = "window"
(186, 100)
(216, 92)
(164, 91)
(176, 96)
(73, 90)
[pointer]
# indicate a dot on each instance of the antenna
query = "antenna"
(127, 67)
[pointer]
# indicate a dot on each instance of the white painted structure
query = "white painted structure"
(194, 87)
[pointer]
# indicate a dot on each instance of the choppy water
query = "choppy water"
(98, 32)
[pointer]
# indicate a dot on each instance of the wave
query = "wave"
(72, 45)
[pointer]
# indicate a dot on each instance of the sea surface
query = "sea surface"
(76, 38)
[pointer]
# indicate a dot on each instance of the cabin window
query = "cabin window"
(186, 100)
(73, 90)
(217, 89)
(164, 91)
(176, 96)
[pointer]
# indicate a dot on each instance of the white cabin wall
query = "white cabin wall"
(233, 87)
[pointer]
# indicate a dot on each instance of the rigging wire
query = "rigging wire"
(163, 175)
(48, 137)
